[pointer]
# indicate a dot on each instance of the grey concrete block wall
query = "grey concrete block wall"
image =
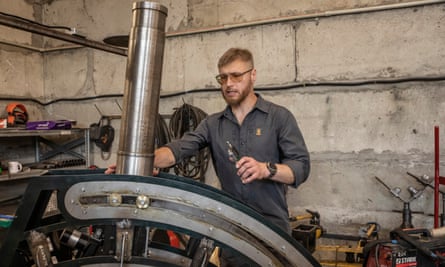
(397, 119)
(190, 62)
(353, 131)
(387, 44)
(21, 73)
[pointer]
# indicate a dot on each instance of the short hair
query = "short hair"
(233, 54)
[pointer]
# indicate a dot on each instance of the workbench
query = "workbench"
(73, 138)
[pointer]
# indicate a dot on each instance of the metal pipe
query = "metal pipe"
(436, 176)
(142, 89)
(17, 23)
(38, 49)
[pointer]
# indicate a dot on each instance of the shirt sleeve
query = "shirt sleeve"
(293, 150)
(190, 143)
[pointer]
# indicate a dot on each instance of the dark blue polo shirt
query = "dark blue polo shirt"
(268, 133)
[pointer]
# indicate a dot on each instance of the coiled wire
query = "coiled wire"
(185, 119)
(162, 135)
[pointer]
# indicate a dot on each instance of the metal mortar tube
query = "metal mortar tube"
(142, 89)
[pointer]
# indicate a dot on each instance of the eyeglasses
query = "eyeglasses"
(234, 76)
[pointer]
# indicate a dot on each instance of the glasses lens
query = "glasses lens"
(221, 79)
(234, 76)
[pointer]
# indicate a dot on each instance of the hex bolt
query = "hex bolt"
(142, 202)
(115, 199)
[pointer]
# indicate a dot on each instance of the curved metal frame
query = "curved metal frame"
(166, 202)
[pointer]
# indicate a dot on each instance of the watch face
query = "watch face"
(272, 169)
(272, 166)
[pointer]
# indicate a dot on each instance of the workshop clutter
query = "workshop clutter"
(48, 143)
(14, 114)
(49, 125)
(17, 114)
(405, 247)
(332, 249)
(185, 119)
(102, 134)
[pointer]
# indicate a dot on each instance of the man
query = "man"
(272, 151)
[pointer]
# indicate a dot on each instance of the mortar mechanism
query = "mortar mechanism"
(127, 220)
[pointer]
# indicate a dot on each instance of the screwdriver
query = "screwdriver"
(233, 153)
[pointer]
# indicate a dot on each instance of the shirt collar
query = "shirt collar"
(260, 104)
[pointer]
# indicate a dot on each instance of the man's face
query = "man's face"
(238, 78)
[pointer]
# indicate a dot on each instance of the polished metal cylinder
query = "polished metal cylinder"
(142, 89)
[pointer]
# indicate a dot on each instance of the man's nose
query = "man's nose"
(229, 80)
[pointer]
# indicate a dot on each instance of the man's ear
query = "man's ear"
(253, 75)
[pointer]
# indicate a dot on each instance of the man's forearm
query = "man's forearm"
(284, 174)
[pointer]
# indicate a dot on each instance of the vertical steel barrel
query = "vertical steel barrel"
(142, 89)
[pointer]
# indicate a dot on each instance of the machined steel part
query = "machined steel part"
(142, 89)
(166, 202)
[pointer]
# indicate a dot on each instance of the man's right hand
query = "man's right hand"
(111, 169)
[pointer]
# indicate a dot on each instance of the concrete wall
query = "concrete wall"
(21, 71)
(354, 74)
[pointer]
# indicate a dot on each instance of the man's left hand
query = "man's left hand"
(250, 169)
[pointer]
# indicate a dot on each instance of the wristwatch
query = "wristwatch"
(272, 169)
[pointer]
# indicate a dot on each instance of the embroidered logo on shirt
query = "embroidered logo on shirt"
(258, 132)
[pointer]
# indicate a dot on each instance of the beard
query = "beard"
(239, 96)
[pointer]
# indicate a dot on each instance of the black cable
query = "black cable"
(162, 135)
(318, 84)
(271, 88)
(185, 119)
(59, 99)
